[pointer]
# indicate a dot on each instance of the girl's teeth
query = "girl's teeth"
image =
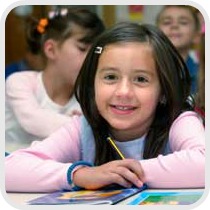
(122, 108)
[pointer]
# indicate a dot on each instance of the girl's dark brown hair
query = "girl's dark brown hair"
(173, 76)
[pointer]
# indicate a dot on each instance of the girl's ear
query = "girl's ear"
(50, 48)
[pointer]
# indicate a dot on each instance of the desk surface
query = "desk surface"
(23, 198)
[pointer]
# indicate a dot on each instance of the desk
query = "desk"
(23, 198)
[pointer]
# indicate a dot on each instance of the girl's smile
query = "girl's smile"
(122, 109)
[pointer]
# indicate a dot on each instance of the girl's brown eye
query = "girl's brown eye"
(141, 79)
(110, 77)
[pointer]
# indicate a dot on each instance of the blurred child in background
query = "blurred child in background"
(182, 26)
(37, 103)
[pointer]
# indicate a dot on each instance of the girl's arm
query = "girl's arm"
(20, 97)
(43, 167)
(185, 167)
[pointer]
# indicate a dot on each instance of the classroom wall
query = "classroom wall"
(149, 13)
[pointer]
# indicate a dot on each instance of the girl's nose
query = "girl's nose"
(124, 89)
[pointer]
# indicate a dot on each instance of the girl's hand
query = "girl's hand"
(127, 172)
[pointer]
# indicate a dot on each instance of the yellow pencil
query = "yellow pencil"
(115, 147)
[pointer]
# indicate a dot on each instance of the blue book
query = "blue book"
(103, 196)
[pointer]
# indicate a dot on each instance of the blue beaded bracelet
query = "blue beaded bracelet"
(70, 170)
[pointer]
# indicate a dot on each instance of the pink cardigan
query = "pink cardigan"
(44, 166)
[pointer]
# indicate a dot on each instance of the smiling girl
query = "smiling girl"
(133, 88)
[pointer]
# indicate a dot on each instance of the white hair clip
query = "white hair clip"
(98, 50)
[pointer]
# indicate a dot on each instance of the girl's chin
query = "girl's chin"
(120, 126)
